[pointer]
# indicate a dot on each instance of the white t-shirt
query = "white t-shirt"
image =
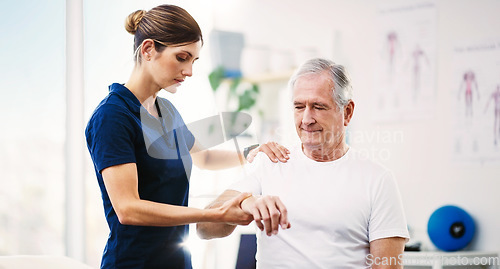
(335, 208)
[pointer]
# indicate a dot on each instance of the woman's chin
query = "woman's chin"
(171, 88)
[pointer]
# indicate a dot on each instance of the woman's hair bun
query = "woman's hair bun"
(133, 20)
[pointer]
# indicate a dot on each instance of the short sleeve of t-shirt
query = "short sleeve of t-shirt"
(387, 216)
(250, 177)
(110, 137)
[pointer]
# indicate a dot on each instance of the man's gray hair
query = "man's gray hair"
(342, 89)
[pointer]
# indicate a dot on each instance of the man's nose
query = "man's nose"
(308, 116)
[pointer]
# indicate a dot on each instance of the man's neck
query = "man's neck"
(326, 154)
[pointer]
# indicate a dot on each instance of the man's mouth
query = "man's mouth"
(311, 130)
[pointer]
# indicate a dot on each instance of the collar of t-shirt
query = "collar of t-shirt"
(132, 102)
(303, 157)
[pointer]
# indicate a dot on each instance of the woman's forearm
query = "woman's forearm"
(217, 159)
(148, 213)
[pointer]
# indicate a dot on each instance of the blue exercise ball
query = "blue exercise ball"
(450, 228)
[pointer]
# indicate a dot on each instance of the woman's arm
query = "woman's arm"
(222, 159)
(121, 184)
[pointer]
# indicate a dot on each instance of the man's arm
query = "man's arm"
(386, 253)
(210, 230)
(267, 209)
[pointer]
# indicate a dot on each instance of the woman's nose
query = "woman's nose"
(188, 71)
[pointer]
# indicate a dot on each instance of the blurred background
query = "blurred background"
(413, 65)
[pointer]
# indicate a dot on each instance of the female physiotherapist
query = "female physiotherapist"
(141, 148)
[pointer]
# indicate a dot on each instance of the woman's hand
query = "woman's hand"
(232, 213)
(273, 150)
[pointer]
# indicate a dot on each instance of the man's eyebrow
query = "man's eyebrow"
(313, 103)
(319, 104)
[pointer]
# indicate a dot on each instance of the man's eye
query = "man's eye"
(319, 108)
(299, 107)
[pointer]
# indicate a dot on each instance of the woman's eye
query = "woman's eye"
(180, 59)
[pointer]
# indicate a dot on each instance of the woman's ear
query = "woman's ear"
(148, 49)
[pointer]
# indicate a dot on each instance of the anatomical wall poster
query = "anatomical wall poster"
(405, 65)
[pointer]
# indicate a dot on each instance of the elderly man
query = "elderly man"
(336, 209)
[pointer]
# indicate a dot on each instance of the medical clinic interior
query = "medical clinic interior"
(425, 76)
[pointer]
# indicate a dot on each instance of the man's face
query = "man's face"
(318, 121)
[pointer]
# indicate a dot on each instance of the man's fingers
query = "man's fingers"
(284, 214)
(257, 218)
(262, 207)
(274, 214)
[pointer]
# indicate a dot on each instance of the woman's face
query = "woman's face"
(170, 67)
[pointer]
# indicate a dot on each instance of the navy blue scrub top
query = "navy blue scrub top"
(121, 131)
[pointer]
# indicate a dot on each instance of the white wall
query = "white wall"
(420, 150)
(423, 161)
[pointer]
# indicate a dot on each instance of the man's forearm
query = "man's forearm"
(248, 204)
(209, 230)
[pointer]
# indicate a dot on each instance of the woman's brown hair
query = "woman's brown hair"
(167, 25)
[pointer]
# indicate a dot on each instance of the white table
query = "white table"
(443, 260)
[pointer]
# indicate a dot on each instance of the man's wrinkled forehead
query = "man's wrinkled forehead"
(308, 82)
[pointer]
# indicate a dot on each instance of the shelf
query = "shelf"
(269, 77)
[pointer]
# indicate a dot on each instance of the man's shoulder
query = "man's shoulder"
(262, 159)
(363, 162)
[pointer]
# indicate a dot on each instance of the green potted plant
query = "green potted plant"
(244, 94)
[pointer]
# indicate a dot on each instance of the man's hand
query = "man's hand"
(269, 210)
(273, 150)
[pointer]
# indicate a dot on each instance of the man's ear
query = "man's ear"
(348, 112)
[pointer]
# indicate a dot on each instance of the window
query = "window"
(32, 137)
